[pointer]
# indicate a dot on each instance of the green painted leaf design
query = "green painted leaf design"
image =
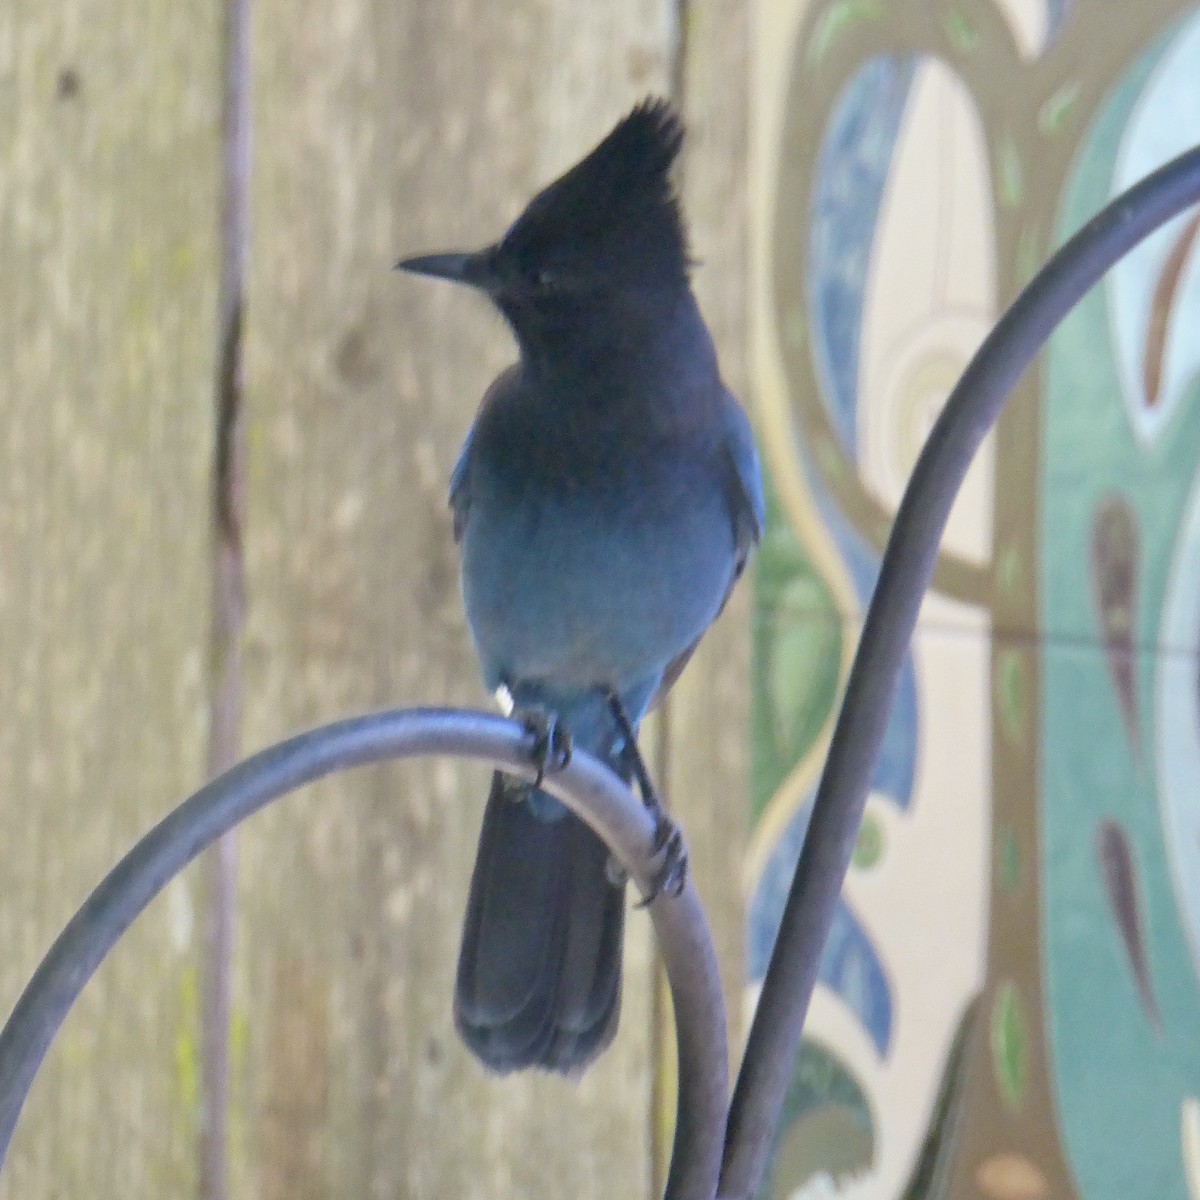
(1010, 179)
(1053, 114)
(961, 32)
(836, 20)
(869, 845)
(1010, 1045)
(1010, 694)
(802, 671)
(826, 1128)
(797, 656)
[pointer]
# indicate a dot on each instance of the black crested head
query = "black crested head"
(613, 215)
(609, 229)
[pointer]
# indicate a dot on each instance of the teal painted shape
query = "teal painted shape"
(1120, 1080)
(1177, 717)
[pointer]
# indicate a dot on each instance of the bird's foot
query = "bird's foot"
(671, 874)
(551, 749)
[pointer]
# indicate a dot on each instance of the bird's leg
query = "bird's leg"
(551, 749)
(630, 753)
(668, 841)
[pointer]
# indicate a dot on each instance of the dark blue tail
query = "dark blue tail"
(539, 972)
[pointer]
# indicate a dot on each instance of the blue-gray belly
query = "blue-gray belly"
(578, 593)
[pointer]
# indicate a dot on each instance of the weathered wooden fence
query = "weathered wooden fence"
(379, 127)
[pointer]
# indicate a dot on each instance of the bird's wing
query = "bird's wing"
(748, 508)
(460, 477)
(745, 487)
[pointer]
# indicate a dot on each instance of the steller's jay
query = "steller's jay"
(605, 502)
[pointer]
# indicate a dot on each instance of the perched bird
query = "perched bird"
(605, 502)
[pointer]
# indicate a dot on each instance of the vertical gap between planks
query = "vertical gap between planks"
(228, 602)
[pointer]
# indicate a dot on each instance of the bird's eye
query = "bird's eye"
(544, 279)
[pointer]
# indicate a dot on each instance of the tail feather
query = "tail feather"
(539, 972)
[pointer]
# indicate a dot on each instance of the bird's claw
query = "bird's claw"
(671, 874)
(551, 749)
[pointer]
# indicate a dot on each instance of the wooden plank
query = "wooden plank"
(384, 129)
(708, 711)
(109, 117)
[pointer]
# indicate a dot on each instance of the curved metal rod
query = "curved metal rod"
(904, 574)
(586, 786)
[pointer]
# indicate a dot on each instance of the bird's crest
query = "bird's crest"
(617, 202)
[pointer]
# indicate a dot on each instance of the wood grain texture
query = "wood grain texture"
(708, 716)
(108, 168)
(382, 129)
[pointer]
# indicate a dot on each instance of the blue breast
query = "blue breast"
(604, 584)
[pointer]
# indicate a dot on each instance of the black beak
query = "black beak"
(458, 268)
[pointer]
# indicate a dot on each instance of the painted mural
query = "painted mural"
(1009, 1004)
